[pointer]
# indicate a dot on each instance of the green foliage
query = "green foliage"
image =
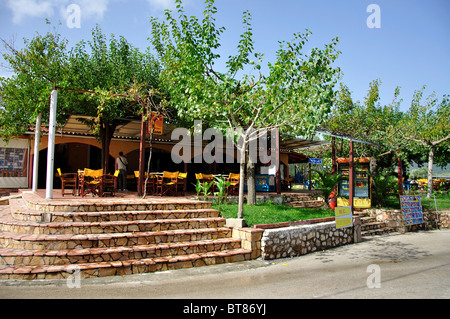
(326, 182)
(295, 96)
(205, 186)
(109, 70)
(419, 173)
(222, 185)
(38, 68)
(384, 184)
(198, 188)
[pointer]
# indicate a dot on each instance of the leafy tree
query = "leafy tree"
(111, 75)
(294, 97)
(427, 126)
(38, 68)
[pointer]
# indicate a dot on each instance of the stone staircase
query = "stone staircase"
(304, 200)
(370, 227)
(49, 241)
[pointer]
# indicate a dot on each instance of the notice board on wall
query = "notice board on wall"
(411, 210)
(14, 163)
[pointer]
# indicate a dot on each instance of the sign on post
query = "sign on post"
(343, 217)
(315, 161)
(411, 210)
(157, 122)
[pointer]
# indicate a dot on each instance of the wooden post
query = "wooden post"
(333, 155)
(309, 177)
(140, 186)
(351, 174)
(106, 149)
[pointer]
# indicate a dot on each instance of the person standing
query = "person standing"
(122, 164)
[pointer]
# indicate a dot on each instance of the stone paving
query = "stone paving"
(46, 239)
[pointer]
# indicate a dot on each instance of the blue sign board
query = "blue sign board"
(315, 160)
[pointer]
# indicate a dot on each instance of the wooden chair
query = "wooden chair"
(151, 182)
(108, 183)
(80, 174)
(91, 182)
(69, 181)
(181, 184)
(234, 179)
(167, 183)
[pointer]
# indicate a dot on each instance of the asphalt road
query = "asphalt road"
(411, 265)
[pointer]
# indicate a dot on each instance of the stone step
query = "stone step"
(120, 268)
(72, 241)
(372, 225)
(379, 231)
(16, 257)
(46, 239)
(34, 202)
(367, 220)
(77, 228)
(114, 216)
(306, 204)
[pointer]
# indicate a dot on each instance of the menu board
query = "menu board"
(411, 210)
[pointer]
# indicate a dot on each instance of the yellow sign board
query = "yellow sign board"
(157, 122)
(343, 217)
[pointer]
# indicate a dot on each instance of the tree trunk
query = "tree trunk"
(241, 181)
(430, 171)
(251, 186)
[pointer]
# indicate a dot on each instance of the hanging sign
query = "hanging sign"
(315, 161)
(411, 210)
(158, 123)
(343, 217)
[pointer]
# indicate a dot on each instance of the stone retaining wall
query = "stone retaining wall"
(393, 219)
(300, 240)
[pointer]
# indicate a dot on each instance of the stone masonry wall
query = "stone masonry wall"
(393, 219)
(299, 240)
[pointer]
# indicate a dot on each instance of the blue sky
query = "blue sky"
(410, 49)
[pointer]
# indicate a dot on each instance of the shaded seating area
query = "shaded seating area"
(88, 181)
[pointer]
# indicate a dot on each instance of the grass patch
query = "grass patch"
(271, 214)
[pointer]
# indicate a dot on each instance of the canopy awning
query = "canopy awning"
(299, 143)
(131, 129)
